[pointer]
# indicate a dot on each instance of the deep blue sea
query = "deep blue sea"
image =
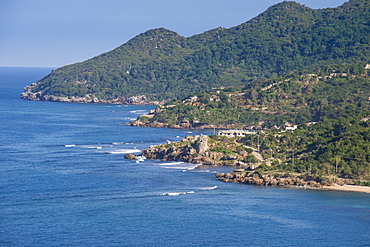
(64, 182)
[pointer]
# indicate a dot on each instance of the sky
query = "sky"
(54, 33)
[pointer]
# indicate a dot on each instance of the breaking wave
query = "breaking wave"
(108, 148)
(171, 163)
(179, 165)
(123, 151)
(175, 193)
(208, 188)
(139, 111)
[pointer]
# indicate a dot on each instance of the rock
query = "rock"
(188, 151)
(88, 98)
(185, 121)
(172, 149)
(185, 125)
(130, 156)
(241, 163)
(269, 180)
(239, 170)
(172, 156)
(137, 123)
(30, 96)
(207, 161)
(257, 155)
(231, 157)
(216, 156)
(243, 153)
(188, 138)
(201, 145)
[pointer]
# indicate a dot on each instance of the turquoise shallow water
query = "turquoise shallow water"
(64, 182)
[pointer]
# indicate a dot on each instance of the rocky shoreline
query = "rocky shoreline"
(205, 150)
(255, 178)
(242, 176)
(184, 125)
(209, 150)
(133, 100)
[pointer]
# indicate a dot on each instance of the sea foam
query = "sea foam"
(123, 151)
(176, 193)
(208, 188)
(171, 163)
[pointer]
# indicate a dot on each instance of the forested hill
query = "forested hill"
(160, 64)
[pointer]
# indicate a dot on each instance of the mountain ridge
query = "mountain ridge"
(160, 64)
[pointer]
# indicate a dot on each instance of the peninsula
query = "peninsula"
(324, 155)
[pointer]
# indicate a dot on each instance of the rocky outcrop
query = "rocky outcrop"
(28, 95)
(201, 145)
(186, 154)
(130, 156)
(133, 100)
(156, 124)
(255, 178)
(200, 150)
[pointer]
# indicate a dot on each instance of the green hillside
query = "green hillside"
(329, 93)
(160, 64)
(338, 147)
(332, 150)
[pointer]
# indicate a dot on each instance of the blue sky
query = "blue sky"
(53, 33)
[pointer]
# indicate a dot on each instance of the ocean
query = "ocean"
(64, 182)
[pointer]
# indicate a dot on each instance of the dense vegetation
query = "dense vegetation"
(334, 99)
(325, 151)
(331, 92)
(163, 65)
(338, 147)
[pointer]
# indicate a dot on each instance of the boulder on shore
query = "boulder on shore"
(130, 156)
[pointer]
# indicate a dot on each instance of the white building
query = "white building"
(234, 133)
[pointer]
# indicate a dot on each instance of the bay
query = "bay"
(64, 182)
